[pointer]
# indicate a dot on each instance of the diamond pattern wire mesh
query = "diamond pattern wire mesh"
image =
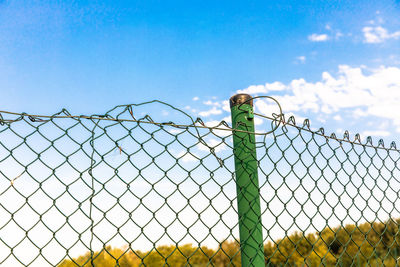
(165, 195)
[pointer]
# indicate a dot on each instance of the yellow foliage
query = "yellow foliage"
(367, 244)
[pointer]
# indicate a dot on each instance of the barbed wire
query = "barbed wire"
(153, 159)
(276, 120)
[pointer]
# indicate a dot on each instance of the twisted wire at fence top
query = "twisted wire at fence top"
(276, 121)
(136, 184)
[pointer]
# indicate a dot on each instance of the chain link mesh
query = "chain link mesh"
(113, 190)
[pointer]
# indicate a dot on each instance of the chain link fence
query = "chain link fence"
(122, 190)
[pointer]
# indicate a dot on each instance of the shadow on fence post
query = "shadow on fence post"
(248, 194)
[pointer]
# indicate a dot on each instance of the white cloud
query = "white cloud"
(258, 121)
(353, 92)
(337, 117)
(228, 119)
(265, 108)
(275, 86)
(361, 91)
(195, 98)
(253, 89)
(218, 104)
(358, 112)
(378, 20)
(338, 35)
(378, 34)
(383, 125)
(225, 106)
(212, 123)
(208, 103)
(212, 111)
(380, 133)
(321, 119)
(268, 87)
(301, 59)
(186, 156)
(176, 131)
(318, 37)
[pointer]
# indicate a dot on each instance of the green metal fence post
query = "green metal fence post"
(248, 194)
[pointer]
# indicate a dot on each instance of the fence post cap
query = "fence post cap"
(240, 99)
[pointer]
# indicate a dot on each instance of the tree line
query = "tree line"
(366, 244)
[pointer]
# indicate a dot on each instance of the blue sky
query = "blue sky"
(335, 62)
(88, 57)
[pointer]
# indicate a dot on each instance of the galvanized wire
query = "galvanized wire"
(138, 191)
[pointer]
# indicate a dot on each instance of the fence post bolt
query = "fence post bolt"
(247, 188)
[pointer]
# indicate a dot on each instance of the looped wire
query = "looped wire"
(319, 169)
(381, 143)
(357, 138)
(369, 140)
(278, 118)
(321, 131)
(393, 145)
(292, 120)
(346, 135)
(306, 124)
(276, 121)
(2, 122)
(200, 121)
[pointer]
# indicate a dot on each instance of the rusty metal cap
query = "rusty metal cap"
(240, 99)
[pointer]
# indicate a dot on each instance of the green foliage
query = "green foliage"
(373, 244)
